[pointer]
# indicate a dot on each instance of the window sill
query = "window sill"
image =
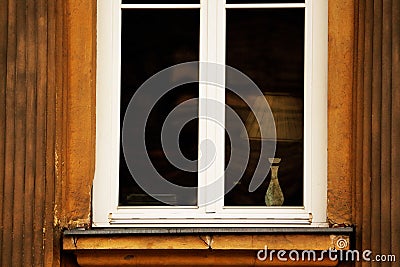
(132, 246)
(208, 230)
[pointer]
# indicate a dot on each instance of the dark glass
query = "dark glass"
(263, 1)
(151, 41)
(160, 1)
(268, 46)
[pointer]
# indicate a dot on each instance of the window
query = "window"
(232, 58)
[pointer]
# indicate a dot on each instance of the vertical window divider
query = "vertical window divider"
(308, 89)
(220, 97)
(203, 57)
(215, 105)
(116, 124)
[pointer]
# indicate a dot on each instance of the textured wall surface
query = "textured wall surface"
(76, 118)
(340, 77)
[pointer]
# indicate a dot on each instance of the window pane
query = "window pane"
(268, 46)
(160, 1)
(263, 1)
(151, 41)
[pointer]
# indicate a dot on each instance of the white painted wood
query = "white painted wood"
(308, 108)
(105, 185)
(159, 6)
(203, 56)
(215, 80)
(205, 224)
(319, 113)
(261, 5)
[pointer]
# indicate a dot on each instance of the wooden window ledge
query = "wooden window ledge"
(202, 246)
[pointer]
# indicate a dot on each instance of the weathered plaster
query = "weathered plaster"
(340, 78)
(79, 115)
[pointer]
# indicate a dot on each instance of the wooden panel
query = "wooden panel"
(30, 130)
(3, 73)
(395, 130)
(298, 242)
(377, 135)
(366, 118)
(186, 258)
(218, 242)
(358, 99)
(51, 232)
(19, 134)
(135, 242)
(376, 118)
(39, 211)
(39, 47)
(27, 132)
(386, 142)
(9, 136)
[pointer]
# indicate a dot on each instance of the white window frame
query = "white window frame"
(107, 213)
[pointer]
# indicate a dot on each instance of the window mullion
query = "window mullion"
(214, 105)
(203, 56)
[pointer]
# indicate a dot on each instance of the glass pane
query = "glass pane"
(160, 1)
(151, 41)
(268, 46)
(263, 1)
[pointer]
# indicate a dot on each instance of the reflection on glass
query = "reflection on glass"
(268, 46)
(151, 41)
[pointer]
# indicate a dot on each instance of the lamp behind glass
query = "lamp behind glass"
(287, 112)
